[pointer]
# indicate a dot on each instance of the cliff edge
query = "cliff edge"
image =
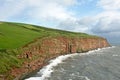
(31, 49)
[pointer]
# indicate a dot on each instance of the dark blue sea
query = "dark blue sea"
(100, 64)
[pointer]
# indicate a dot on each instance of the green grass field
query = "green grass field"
(15, 35)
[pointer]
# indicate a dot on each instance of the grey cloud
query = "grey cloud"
(103, 27)
(77, 25)
(108, 29)
(67, 24)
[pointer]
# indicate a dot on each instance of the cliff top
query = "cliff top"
(15, 35)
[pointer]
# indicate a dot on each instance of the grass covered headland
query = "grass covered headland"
(14, 36)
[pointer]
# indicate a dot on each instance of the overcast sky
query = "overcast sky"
(99, 17)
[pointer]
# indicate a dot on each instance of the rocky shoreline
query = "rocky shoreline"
(38, 53)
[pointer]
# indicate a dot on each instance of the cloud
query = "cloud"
(106, 26)
(10, 8)
(109, 4)
(37, 9)
(76, 24)
(105, 23)
(65, 2)
(49, 11)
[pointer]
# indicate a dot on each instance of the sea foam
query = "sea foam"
(47, 70)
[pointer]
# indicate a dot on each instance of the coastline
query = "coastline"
(39, 53)
(37, 46)
(58, 60)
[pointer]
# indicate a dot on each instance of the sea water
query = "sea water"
(100, 64)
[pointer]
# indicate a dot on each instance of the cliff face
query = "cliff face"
(38, 53)
(63, 45)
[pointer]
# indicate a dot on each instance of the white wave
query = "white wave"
(115, 55)
(34, 78)
(77, 75)
(92, 52)
(84, 77)
(47, 70)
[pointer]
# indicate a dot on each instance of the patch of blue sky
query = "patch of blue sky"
(86, 9)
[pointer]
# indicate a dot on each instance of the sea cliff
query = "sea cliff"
(25, 48)
(39, 52)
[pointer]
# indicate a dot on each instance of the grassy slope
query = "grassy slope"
(15, 35)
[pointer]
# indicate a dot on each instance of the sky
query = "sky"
(97, 17)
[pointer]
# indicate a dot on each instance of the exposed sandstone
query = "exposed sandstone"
(38, 53)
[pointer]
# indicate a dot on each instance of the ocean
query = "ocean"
(100, 64)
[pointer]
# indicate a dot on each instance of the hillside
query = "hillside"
(22, 45)
(15, 35)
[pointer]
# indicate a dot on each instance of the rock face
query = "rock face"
(64, 45)
(38, 53)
